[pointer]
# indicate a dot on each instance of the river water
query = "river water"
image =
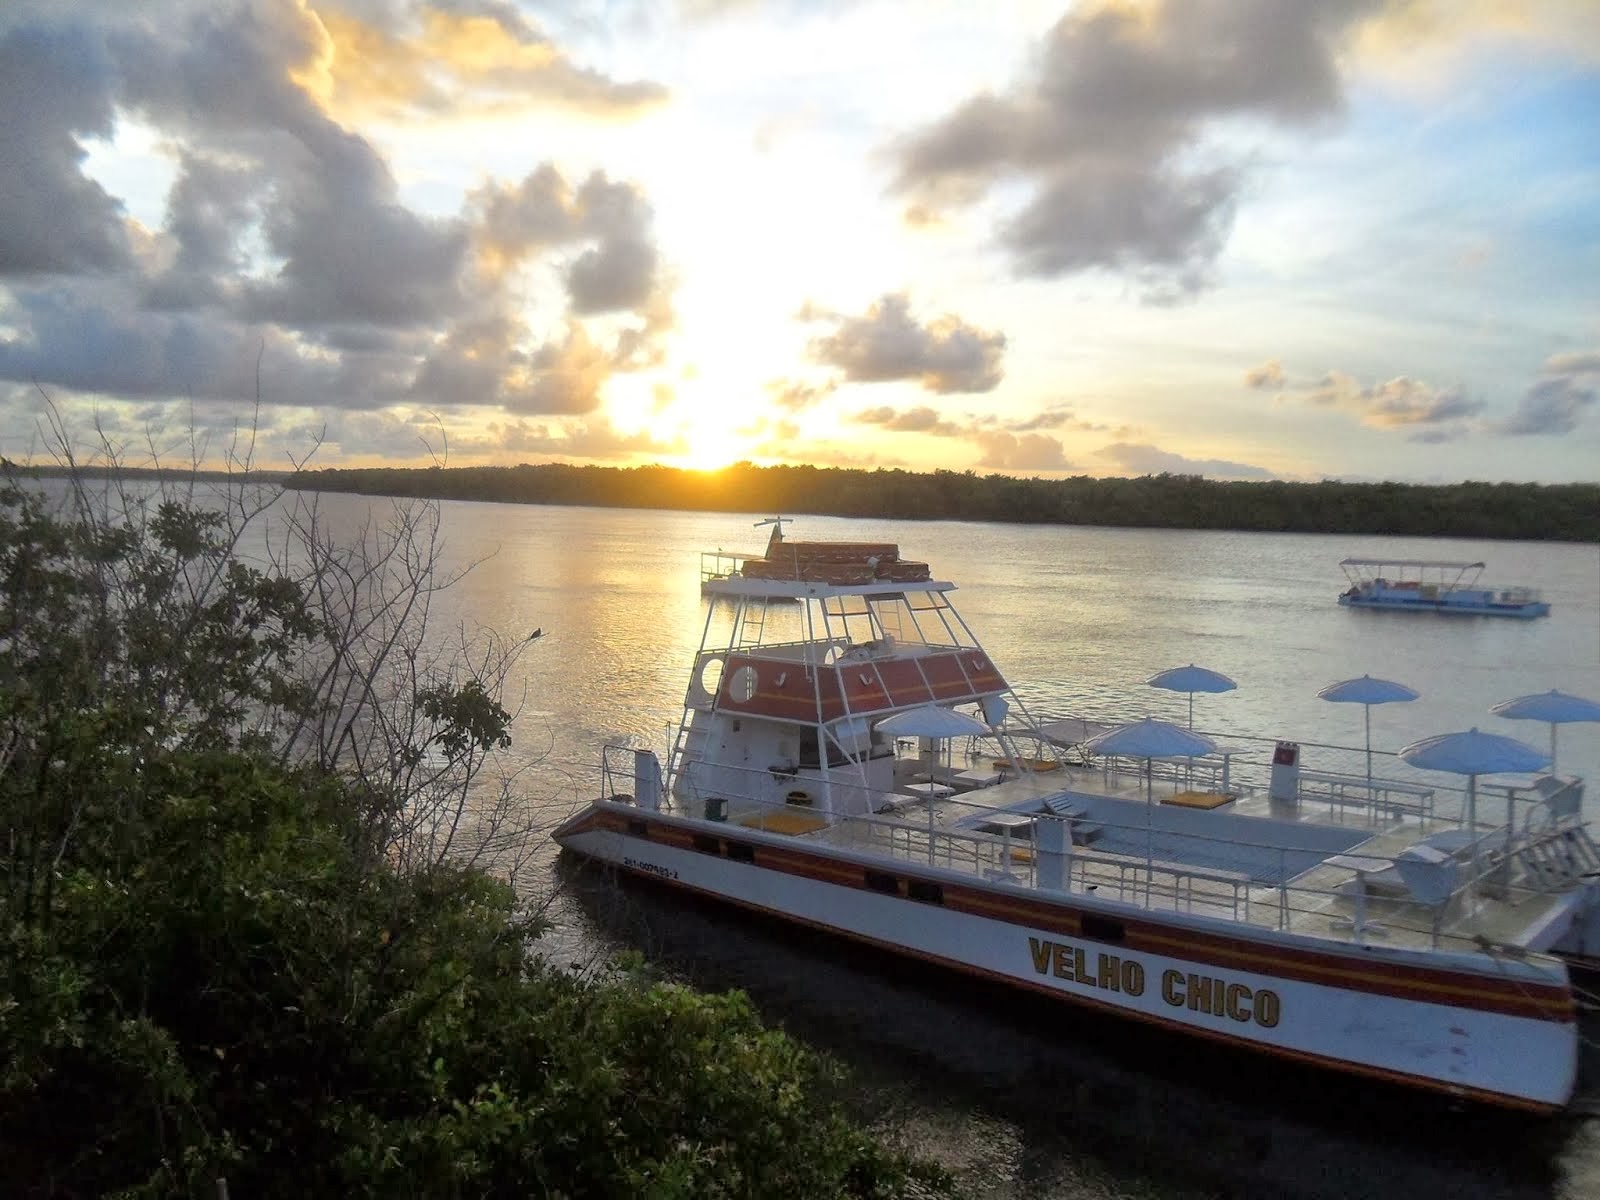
(1018, 1096)
(1022, 1098)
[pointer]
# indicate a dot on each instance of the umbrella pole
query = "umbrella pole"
(1472, 828)
(1553, 728)
(1367, 708)
(1149, 832)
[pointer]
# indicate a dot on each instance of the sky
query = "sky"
(1243, 239)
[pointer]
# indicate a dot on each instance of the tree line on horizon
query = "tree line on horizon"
(1511, 511)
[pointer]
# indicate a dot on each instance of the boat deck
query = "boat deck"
(1321, 868)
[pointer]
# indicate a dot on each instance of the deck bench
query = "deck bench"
(1393, 795)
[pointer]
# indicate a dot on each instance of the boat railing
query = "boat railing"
(1208, 773)
(1329, 891)
(1373, 794)
(718, 564)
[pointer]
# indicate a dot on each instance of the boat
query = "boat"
(1422, 585)
(851, 759)
(718, 566)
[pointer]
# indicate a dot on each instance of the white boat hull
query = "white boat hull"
(1500, 1031)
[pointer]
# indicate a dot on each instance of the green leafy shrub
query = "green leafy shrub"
(219, 964)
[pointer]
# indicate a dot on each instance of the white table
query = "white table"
(931, 791)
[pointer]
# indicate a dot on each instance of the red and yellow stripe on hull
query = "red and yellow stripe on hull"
(1358, 975)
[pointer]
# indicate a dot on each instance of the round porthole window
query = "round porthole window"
(742, 685)
(710, 676)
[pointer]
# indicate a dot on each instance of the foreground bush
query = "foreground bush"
(247, 1001)
(228, 957)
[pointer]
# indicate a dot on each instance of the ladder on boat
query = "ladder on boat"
(1558, 859)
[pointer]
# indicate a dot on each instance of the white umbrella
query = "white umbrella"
(1150, 739)
(1192, 679)
(1367, 691)
(1474, 753)
(1553, 707)
(929, 720)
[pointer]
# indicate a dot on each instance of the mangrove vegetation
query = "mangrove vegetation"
(1518, 511)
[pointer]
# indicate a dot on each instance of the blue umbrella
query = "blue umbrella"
(1192, 679)
(1367, 691)
(1150, 739)
(1473, 753)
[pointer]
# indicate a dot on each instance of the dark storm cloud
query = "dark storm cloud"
(945, 355)
(1111, 125)
(56, 86)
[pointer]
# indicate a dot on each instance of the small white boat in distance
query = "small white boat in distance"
(718, 566)
(1351, 922)
(1422, 585)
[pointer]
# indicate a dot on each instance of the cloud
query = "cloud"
(921, 419)
(1586, 363)
(593, 437)
(92, 337)
(945, 355)
(1027, 452)
(402, 62)
(1002, 444)
(1399, 403)
(1055, 417)
(1268, 375)
(563, 376)
(1110, 128)
(1560, 400)
(618, 267)
(1149, 460)
(285, 241)
(793, 395)
(56, 87)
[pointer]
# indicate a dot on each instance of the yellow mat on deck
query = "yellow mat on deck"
(784, 821)
(1197, 799)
